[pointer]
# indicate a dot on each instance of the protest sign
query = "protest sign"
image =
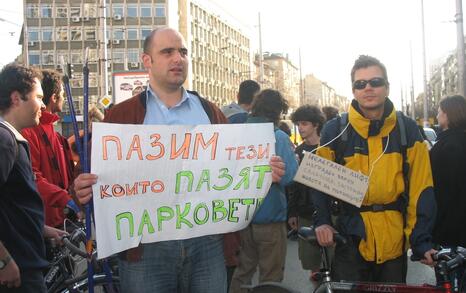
(166, 182)
(333, 179)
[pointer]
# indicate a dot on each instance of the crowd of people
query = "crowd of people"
(415, 199)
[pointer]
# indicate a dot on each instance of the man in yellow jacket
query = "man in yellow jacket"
(390, 219)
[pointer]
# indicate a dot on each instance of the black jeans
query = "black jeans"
(349, 265)
(32, 281)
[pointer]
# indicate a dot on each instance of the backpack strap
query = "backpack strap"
(342, 141)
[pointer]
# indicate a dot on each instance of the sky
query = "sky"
(330, 34)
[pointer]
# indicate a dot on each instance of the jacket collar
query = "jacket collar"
(365, 127)
(17, 134)
(48, 118)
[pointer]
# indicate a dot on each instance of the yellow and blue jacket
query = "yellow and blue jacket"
(382, 233)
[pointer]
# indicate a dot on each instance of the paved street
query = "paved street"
(297, 279)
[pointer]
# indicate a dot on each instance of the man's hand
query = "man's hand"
(427, 260)
(83, 186)
(9, 275)
(278, 168)
(324, 234)
(293, 222)
(51, 232)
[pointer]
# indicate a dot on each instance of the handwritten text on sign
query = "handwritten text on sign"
(166, 182)
(333, 179)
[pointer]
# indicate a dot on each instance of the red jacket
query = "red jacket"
(52, 166)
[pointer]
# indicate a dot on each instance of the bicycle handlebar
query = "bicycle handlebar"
(74, 249)
(309, 234)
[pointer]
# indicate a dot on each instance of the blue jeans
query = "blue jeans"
(193, 265)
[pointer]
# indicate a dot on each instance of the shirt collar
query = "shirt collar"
(184, 98)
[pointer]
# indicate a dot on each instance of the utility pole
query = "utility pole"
(413, 111)
(103, 50)
(25, 37)
(261, 63)
(426, 88)
(301, 85)
(402, 99)
(460, 48)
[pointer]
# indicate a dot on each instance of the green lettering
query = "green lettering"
(164, 214)
(224, 174)
(205, 178)
(262, 169)
(129, 217)
(145, 221)
(196, 211)
(248, 202)
(180, 216)
(187, 174)
(232, 208)
(245, 180)
(217, 207)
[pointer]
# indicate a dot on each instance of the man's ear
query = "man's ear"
(146, 60)
(53, 98)
(15, 98)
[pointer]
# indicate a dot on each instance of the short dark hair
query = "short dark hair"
(309, 113)
(329, 112)
(51, 84)
(15, 77)
(365, 61)
(269, 104)
(455, 109)
(247, 90)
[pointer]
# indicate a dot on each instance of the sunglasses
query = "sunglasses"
(375, 82)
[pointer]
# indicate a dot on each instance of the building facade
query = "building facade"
(317, 92)
(58, 30)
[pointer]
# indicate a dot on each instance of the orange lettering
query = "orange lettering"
(154, 144)
(116, 140)
(184, 148)
(135, 147)
(200, 140)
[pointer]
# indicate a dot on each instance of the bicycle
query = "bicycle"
(448, 260)
(63, 275)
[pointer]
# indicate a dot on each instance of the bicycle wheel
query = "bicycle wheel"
(100, 285)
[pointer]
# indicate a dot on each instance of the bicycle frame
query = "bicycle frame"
(328, 287)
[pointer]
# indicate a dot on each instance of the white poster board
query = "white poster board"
(332, 179)
(128, 83)
(166, 182)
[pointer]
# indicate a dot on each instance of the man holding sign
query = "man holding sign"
(392, 215)
(190, 265)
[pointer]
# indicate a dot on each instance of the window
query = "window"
(92, 56)
(33, 35)
(62, 55)
(159, 10)
(32, 11)
(118, 33)
(90, 10)
(61, 12)
(46, 10)
(76, 56)
(76, 34)
(89, 34)
(132, 10)
(145, 32)
(34, 58)
(61, 34)
(118, 56)
(47, 57)
(133, 55)
(117, 10)
(145, 10)
(47, 34)
(132, 33)
(92, 79)
(75, 11)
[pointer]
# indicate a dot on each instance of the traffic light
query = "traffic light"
(69, 70)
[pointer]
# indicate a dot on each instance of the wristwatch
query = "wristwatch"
(4, 262)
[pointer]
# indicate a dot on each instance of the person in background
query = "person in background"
(330, 112)
(194, 265)
(309, 120)
(22, 248)
(238, 112)
(51, 158)
(263, 242)
(448, 159)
